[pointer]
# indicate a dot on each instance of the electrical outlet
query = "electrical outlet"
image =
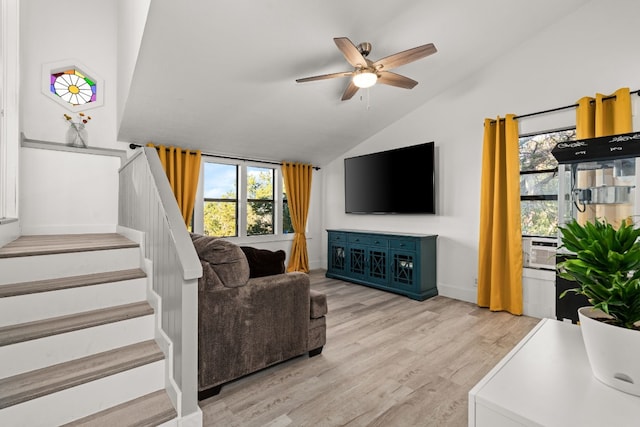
(475, 282)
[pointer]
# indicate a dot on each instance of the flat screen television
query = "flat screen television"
(398, 181)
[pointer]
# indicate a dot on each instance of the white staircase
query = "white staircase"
(77, 334)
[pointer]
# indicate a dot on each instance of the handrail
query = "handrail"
(189, 261)
(147, 204)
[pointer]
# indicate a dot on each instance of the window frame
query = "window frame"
(537, 197)
(555, 171)
(236, 200)
(272, 200)
(241, 218)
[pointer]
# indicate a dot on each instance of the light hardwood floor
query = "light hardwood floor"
(389, 361)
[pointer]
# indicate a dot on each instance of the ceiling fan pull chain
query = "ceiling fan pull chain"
(368, 106)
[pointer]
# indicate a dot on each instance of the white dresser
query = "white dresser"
(546, 381)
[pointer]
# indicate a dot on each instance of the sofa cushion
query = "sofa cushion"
(224, 263)
(263, 262)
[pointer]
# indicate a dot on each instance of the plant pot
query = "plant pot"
(612, 351)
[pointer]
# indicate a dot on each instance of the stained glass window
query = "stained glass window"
(73, 86)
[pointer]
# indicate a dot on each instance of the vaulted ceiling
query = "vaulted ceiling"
(220, 75)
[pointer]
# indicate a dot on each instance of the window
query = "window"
(260, 201)
(287, 227)
(539, 182)
(72, 85)
(220, 200)
(242, 201)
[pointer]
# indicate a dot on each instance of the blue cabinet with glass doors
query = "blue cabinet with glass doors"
(400, 263)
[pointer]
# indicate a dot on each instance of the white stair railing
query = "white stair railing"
(147, 204)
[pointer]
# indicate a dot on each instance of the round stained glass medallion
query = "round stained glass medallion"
(73, 87)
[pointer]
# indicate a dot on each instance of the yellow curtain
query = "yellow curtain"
(297, 182)
(500, 245)
(183, 171)
(601, 116)
(604, 115)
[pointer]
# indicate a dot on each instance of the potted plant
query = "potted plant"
(606, 267)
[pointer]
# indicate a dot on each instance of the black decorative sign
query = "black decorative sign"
(601, 148)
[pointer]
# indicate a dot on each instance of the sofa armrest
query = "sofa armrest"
(283, 280)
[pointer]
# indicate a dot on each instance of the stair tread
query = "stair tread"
(64, 243)
(42, 328)
(149, 410)
(31, 385)
(24, 288)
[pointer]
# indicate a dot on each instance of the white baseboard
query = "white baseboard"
(162, 339)
(315, 265)
(192, 420)
(459, 293)
(9, 231)
(131, 234)
(138, 237)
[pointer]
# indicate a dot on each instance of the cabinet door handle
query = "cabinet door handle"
(402, 245)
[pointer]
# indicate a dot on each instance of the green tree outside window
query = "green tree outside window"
(539, 182)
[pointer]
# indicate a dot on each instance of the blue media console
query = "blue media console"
(400, 263)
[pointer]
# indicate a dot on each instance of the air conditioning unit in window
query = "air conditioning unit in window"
(539, 252)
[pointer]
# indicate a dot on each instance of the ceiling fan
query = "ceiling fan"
(366, 73)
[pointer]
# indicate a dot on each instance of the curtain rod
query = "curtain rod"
(566, 107)
(268, 162)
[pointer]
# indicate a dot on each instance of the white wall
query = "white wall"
(84, 31)
(132, 18)
(592, 50)
(315, 234)
(62, 199)
(50, 181)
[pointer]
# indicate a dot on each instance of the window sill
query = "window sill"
(263, 239)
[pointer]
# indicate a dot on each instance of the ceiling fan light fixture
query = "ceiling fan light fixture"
(366, 73)
(364, 78)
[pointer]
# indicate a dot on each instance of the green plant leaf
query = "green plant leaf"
(606, 267)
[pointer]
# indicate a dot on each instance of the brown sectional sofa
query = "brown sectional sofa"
(249, 323)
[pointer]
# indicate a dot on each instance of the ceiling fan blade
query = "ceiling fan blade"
(405, 57)
(349, 91)
(350, 52)
(393, 79)
(325, 76)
